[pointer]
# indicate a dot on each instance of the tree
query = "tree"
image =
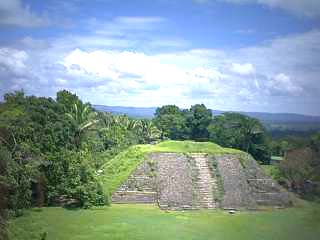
(300, 166)
(280, 147)
(242, 132)
(42, 161)
(148, 131)
(171, 122)
(82, 117)
(198, 118)
(67, 100)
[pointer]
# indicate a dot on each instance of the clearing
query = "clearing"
(133, 222)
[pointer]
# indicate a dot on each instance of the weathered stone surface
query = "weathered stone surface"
(237, 192)
(174, 181)
(142, 179)
(246, 185)
(264, 190)
(134, 197)
(140, 187)
(177, 181)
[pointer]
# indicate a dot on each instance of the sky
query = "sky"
(237, 55)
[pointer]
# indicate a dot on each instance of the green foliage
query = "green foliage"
(77, 179)
(279, 147)
(4, 157)
(198, 118)
(82, 118)
(172, 122)
(229, 129)
(148, 131)
(22, 169)
(44, 139)
(273, 171)
(118, 132)
(179, 124)
(67, 100)
(241, 132)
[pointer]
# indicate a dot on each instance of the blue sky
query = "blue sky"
(249, 55)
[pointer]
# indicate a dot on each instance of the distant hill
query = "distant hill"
(137, 112)
(278, 121)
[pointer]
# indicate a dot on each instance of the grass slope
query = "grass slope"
(118, 169)
(136, 222)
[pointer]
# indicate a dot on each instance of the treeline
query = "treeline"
(233, 130)
(51, 150)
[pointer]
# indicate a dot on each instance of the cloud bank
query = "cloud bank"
(224, 79)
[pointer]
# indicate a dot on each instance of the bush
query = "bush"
(79, 180)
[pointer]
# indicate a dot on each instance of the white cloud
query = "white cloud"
(134, 70)
(13, 60)
(13, 12)
(242, 69)
(221, 79)
(309, 8)
(282, 84)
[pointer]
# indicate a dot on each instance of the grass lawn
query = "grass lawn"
(133, 222)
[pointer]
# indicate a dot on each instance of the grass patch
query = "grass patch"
(218, 195)
(191, 147)
(136, 222)
(118, 169)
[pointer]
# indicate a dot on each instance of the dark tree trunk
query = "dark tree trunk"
(40, 191)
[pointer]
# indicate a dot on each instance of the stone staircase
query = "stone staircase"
(206, 184)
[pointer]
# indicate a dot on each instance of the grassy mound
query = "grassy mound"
(118, 169)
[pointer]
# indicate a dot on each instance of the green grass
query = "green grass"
(273, 171)
(191, 147)
(118, 169)
(268, 169)
(137, 222)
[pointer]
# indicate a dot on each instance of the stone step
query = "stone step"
(134, 197)
(205, 182)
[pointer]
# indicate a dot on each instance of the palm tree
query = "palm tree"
(83, 118)
(149, 131)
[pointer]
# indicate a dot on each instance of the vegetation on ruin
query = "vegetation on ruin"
(118, 169)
